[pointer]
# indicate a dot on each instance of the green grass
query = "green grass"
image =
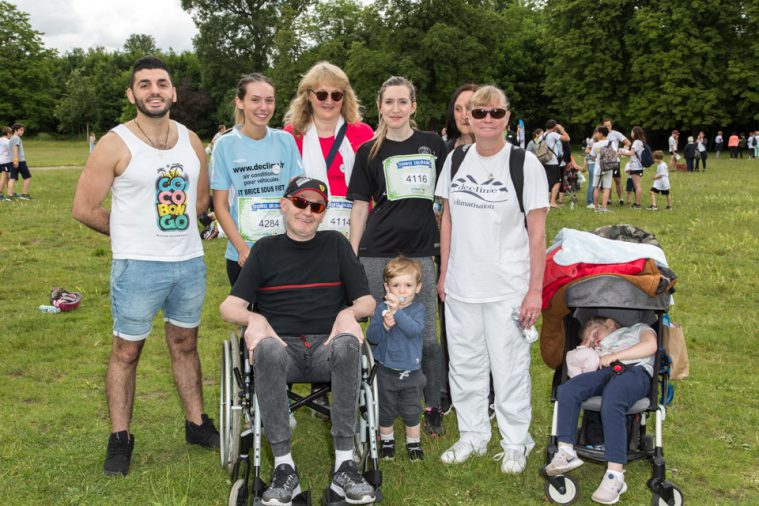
(54, 425)
(55, 153)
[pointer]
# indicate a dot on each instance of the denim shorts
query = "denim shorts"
(139, 288)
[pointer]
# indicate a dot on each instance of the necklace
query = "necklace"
(165, 140)
(494, 160)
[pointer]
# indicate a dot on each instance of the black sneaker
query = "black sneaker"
(285, 484)
(433, 421)
(204, 435)
(349, 484)
(119, 455)
(387, 450)
(25, 196)
(414, 451)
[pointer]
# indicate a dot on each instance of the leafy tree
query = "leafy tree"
(237, 37)
(28, 90)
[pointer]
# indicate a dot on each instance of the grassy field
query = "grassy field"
(55, 426)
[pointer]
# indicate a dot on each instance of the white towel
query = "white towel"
(313, 157)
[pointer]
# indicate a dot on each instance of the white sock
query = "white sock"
(387, 437)
(341, 456)
(284, 459)
(617, 474)
(410, 439)
(568, 450)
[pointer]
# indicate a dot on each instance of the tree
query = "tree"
(237, 37)
(28, 90)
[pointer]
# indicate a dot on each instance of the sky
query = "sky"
(68, 24)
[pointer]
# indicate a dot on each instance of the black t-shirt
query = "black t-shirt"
(301, 286)
(406, 225)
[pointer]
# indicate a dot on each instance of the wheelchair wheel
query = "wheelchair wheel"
(677, 498)
(230, 406)
(238, 496)
(570, 495)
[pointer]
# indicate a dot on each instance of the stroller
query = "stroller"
(632, 292)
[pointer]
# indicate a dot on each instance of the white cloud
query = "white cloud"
(89, 23)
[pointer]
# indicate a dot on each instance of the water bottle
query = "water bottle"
(49, 309)
(530, 334)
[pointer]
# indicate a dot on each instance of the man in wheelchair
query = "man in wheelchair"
(300, 296)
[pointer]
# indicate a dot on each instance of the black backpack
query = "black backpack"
(516, 169)
(646, 157)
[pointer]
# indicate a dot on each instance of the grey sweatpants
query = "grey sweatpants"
(432, 360)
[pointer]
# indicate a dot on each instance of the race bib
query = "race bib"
(338, 216)
(259, 217)
(410, 177)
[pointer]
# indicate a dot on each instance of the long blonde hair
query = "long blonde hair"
(381, 133)
(300, 113)
(242, 89)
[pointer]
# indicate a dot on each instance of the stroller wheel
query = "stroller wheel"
(570, 495)
(677, 498)
(238, 496)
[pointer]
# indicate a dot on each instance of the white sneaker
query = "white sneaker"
(562, 462)
(610, 489)
(461, 451)
(590, 206)
(512, 460)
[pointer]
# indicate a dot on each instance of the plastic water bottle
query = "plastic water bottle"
(49, 309)
(530, 334)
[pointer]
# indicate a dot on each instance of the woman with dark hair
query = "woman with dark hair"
(636, 166)
(252, 166)
(397, 171)
(457, 126)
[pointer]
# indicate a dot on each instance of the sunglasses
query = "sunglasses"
(322, 95)
(316, 207)
(494, 113)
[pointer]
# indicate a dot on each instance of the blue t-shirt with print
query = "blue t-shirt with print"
(253, 168)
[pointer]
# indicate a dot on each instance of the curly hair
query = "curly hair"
(300, 113)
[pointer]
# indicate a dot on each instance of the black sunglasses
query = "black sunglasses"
(322, 95)
(497, 113)
(316, 207)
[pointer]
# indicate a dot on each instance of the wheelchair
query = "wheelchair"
(240, 427)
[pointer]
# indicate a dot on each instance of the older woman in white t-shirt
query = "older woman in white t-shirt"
(492, 262)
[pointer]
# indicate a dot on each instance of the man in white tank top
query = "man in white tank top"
(156, 172)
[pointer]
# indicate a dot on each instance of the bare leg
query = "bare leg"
(638, 188)
(185, 364)
(554, 194)
(618, 185)
(27, 181)
(120, 381)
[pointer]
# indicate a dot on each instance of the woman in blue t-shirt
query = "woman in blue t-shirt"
(252, 165)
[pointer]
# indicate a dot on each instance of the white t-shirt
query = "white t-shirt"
(662, 183)
(553, 139)
(672, 144)
(616, 138)
(5, 150)
(489, 257)
(637, 148)
(718, 139)
(701, 146)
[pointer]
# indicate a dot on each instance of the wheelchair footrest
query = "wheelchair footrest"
(330, 498)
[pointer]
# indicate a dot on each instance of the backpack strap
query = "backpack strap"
(516, 170)
(336, 145)
(457, 158)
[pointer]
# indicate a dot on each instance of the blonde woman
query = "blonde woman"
(396, 171)
(326, 111)
(492, 261)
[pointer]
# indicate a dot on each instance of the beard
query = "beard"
(140, 104)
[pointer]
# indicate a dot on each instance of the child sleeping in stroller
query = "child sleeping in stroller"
(634, 348)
